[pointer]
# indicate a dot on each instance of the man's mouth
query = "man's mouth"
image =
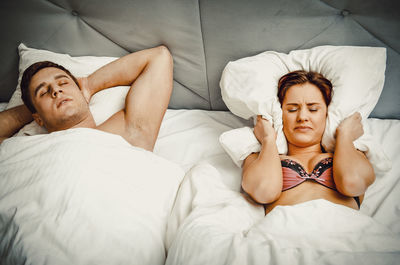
(62, 102)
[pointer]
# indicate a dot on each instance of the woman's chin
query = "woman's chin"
(304, 142)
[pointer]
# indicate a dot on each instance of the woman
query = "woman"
(307, 172)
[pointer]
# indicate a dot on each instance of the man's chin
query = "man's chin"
(65, 122)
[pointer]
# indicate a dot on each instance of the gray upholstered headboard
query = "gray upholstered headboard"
(202, 35)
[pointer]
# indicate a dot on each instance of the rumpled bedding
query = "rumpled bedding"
(83, 196)
(224, 228)
(88, 219)
(213, 223)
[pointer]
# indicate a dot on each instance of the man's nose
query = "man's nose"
(55, 91)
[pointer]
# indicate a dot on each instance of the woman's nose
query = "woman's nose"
(302, 115)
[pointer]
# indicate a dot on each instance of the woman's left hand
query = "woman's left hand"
(351, 127)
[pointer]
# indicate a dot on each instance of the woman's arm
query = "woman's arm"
(352, 171)
(12, 120)
(262, 172)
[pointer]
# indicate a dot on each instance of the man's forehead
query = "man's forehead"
(47, 74)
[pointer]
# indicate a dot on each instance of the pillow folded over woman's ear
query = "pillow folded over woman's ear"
(249, 88)
(102, 105)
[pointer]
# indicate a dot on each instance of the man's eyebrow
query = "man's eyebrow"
(61, 76)
(44, 83)
(39, 87)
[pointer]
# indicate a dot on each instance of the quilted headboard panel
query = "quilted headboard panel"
(202, 36)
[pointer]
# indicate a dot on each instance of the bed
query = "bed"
(190, 208)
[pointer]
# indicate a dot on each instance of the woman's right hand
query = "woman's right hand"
(263, 129)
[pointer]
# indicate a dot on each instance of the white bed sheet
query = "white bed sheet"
(190, 137)
(186, 137)
(211, 219)
(3, 105)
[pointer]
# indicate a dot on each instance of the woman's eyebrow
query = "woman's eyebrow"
(308, 104)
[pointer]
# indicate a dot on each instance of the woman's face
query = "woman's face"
(304, 115)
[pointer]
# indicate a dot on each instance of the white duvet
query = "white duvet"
(59, 220)
(83, 196)
(212, 223)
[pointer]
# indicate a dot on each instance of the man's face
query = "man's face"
(58, 100)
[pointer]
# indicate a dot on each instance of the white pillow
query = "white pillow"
(249, 85)
(102, 105)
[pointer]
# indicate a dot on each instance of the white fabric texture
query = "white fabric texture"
(83, 196)
(249, 88)
(315, 232)
(102, 104)
(213, 223)
(239, 144)
(188, 137)
(3, 106)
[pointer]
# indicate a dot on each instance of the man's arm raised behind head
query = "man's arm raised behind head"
(12, 120)
(149, 73)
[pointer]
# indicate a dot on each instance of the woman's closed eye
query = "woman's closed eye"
(296, 109)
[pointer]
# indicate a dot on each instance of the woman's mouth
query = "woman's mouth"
(302, 128)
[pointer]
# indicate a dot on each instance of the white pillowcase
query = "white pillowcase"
(102, 105)
(249, 86)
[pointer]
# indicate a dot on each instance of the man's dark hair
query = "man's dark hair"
(30, 72)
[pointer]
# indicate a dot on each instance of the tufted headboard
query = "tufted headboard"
(202, 35)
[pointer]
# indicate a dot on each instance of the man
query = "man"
(55, 99)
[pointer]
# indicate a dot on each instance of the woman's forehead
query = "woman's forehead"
(307, 92)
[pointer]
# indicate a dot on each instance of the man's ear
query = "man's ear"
(37, 118)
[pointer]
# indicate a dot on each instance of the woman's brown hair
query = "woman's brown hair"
(301, 77)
